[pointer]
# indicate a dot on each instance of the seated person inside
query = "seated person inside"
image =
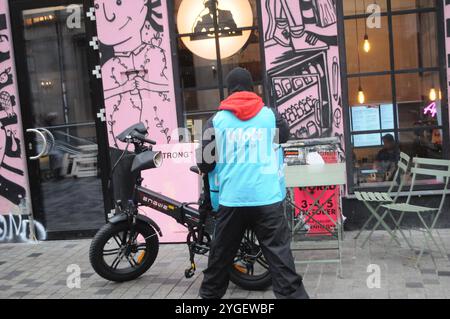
(387, 158)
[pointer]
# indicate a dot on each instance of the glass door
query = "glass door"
(56, 96)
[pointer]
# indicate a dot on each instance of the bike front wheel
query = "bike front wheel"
(118, 255)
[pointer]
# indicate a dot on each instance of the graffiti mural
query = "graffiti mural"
(302, 60)
(13, 179)
(135, 55)
(14, 199)
(16, 228)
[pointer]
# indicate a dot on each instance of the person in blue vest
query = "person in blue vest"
(240, 149)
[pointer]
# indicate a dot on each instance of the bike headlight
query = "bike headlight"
(147, 160)
(158, 159)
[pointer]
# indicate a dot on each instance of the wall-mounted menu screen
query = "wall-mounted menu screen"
(371, 118)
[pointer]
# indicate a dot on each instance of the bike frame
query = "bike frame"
(183, 213)
(193, 219)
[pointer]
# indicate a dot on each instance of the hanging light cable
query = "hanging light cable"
(361, 95)
(366, 45)
(433, 95)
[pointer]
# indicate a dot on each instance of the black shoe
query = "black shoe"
(301, 293)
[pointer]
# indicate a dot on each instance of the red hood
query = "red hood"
(245, 105)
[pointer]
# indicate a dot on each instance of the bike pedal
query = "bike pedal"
(190, 272)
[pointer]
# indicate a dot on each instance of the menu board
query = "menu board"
(387, 116)
(371, 118)
(365, 118)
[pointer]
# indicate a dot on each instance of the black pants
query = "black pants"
(273, 234)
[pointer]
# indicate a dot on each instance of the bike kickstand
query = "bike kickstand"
(190, 272)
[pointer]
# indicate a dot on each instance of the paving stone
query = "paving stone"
(444, 273)
(414, 285)
(431, 282)
(46, 277)
(18, 295)
(12, 275)
(428, 271)
(99, 284)
(104, 291)
(4, 287)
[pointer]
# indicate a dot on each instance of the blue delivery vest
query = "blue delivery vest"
(213, 179)
(248, 165)
(281, 175)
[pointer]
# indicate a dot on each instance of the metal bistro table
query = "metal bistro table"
(316, 175)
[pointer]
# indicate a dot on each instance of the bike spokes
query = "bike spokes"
(250, 259)
(123, 251)
(262, 261)
(111, 252)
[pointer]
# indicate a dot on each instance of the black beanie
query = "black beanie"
(239, 80)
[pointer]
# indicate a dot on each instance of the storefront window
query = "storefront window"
(394, 85)
(208, 49)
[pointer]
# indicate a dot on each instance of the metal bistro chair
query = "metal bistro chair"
(374, 200)
(431, 168)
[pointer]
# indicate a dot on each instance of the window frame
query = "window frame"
(392, 72)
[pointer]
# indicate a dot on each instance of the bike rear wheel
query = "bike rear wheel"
(250, 270)
(117, 256)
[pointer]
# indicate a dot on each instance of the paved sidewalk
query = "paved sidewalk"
(40, 271)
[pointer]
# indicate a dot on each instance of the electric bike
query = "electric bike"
(127, 246)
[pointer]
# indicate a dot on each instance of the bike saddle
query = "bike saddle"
(139, 128)
(195, 169)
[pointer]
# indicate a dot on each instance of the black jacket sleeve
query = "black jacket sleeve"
(283, 128)
(206, 152)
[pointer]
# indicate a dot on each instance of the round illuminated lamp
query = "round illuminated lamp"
(189, 20)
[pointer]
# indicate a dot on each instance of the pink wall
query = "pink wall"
(138, 84)
(13, 172)
(302, 61)
(136, 67)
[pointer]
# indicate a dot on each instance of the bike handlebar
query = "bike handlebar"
(196, 170)
(142, 138)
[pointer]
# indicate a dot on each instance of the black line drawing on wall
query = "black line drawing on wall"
(4, 40)
(10, 143)
(4, 48)
(134, 63)
(10, 150)
(14, 208)
(303, 25)
(337, 117)
(302, 68)
(335, 78)
(6, 78)
(161, 125)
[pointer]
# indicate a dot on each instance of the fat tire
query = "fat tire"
(105, 234)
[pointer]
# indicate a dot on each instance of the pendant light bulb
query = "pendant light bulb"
(433, 94)
(366, 45)
(361, 96)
